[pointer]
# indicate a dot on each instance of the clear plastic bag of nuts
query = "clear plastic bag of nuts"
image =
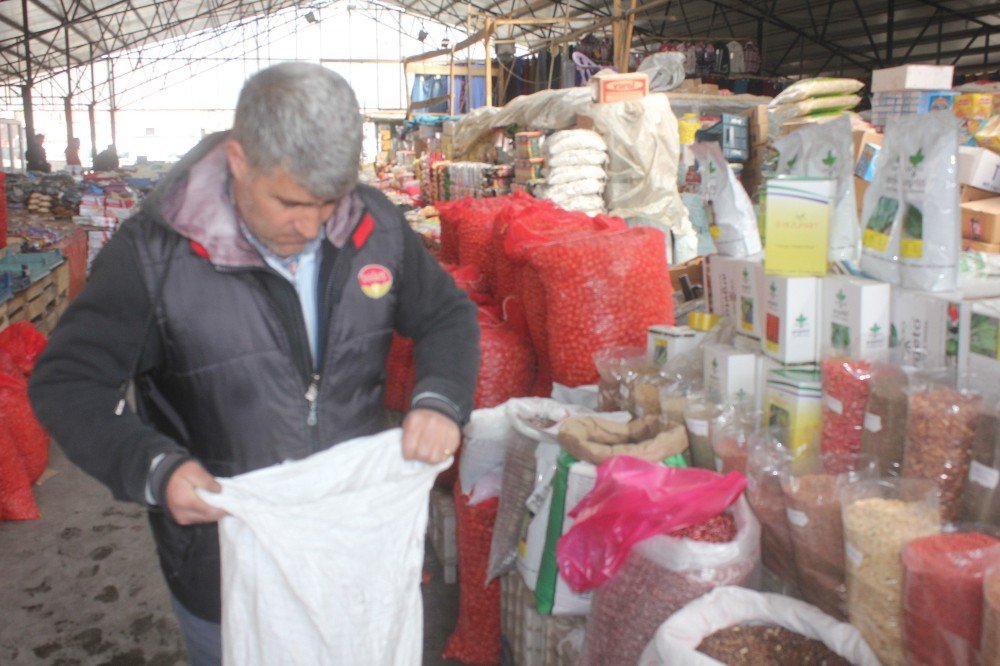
(880, 518)
(940, 430)
(768, 456)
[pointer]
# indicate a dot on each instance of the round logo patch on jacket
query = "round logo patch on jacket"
(375, 280)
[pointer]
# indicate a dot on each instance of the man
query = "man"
(107, 159)
(252, 301)
(73, 153)
(35, 156)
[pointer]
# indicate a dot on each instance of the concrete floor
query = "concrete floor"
(82, 585)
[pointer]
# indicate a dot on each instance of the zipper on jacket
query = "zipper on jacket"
(311, 394)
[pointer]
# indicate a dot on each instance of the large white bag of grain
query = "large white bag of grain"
(322, 557)
(677, 639)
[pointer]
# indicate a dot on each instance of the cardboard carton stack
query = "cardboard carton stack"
(911, 89)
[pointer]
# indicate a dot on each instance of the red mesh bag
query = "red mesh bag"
(507, 361)
(469, 224)
(30, 439)
(602, 290)
(476, 639)
(24, 344)
(450, 213)
(470, 279)
(400, 374)
(16, 500)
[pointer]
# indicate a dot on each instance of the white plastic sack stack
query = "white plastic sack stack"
(677, 639)
(574, 171)
(322, 557)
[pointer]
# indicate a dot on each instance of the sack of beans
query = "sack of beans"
(466, 230)
(880, 518)
(470, 280)
(661, 575)
(845, 398)
(940, 431)
(766, 460)
(884, 433)
(981, 499)
(739, 626)
(601, 291)
(943, 597)
(507, 360)
(476, 639)
(520, 207)
(532, 420)
(16, 500)
(812, 501)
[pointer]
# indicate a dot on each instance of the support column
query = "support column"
(68, 100)
(114, 108)
(29, 116)
(91, 108)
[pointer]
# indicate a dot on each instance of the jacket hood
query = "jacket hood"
(194, 201)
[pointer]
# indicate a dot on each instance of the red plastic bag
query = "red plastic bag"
(24, 344)
(602, 290)
(507, 360)
(18, 419)
(476, 639)
(633, 500)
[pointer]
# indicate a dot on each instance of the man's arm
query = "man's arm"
(76, 384)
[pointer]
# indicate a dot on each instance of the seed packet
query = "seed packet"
(731, 219)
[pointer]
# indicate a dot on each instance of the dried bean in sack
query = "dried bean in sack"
(476, 639)
(507, 361)
(941, 427)
(884, 434)
(875, 530)
(767, 459)
(845, 399)
(660, 576)
(943, 597)
(981, 499)
(600, 292)
(764, 645)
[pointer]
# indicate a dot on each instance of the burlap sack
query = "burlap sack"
(594, 439)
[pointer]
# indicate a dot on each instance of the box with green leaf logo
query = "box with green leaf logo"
(791, 325)
(730, 374)
(856, 318)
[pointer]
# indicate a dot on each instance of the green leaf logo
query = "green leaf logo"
(711, 167)
(801, 320)
(791, 162)
(715, 364)
(829, 160)
(774, 289)
(841, 296)
(875, 329)
(741, 394)
(917, 158)
(746, 274)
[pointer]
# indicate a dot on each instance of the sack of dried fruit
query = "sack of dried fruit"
(677, 640)
(664, 573)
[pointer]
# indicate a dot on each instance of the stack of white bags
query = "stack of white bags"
(575, 172)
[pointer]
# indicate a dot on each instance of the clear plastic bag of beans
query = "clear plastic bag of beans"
(845, 397)
(812, 501)
(880, 518)
(613, 367)
(943, 595)
(768, 458)
(981, 498)
(700, 415)
(731, 433)
(884, 433)
(941, 426)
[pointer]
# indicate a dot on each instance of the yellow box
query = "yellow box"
(974, 105)
(797, 223)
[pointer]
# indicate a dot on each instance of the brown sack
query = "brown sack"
(594, 439)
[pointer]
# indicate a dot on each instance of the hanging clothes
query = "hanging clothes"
(736, 65)
(751, 58)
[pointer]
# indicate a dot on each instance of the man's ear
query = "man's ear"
(237, 159)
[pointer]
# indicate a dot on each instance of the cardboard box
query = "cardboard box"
(613, 87)
(913, 77)
(730, 374)
(977, 246)
(791, 319)
(925, 329)
(757, 124)
(797, 223)
(694, 270)
(981, 220)
(724, 284)
(860, 187)
(975, 105)
(967, 193)
(868, 162)
(979, 167)
(666, 342)
(855, 318)
(794, 406)
(750, 308)
(862, 137)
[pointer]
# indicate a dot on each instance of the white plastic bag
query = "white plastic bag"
(484, 443)
(807, 88)
(930, 227)
(578, 158)
(665, 70)
(322, 557)
(574, 139)
(590, 204)
(562, 175)
(730, 214)
(826, 151)
(567, 192)
(881, 213)
(677, 638)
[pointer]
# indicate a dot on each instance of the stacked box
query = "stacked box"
(888, 105)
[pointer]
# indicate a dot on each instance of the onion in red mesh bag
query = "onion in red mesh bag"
(507, 361)
(24, 343)
(602, 290)
(469, 224)
(470, 279)
(29, 437)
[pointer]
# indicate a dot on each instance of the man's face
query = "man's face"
(280, 213)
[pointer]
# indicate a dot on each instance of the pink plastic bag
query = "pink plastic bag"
(633, 500)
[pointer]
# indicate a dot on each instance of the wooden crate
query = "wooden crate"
(43, 300)
(38, 286)
(60, 275)
(17, 307)
(4, 319)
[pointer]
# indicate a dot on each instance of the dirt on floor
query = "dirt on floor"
(82, 584)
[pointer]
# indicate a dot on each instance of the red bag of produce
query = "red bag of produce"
(18, 419)
(602, 290)
(470, 279)
(507, 361)
(504, 279)
(24, 344)
(476, 639)
(633, 500)
(450, 214)
(470, 231)
(943, 597)
(845, 401)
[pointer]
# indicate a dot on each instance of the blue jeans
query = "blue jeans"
(203, 639)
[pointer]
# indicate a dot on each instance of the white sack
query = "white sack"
(588, 157)
(322, 557)
(569, 174)
(574, 139)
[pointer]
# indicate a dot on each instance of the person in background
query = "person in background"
(107, 159)
(73, 153)
(251, 303)
(35, 155)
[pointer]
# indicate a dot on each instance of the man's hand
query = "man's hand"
(183, 502)
(429, 436)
